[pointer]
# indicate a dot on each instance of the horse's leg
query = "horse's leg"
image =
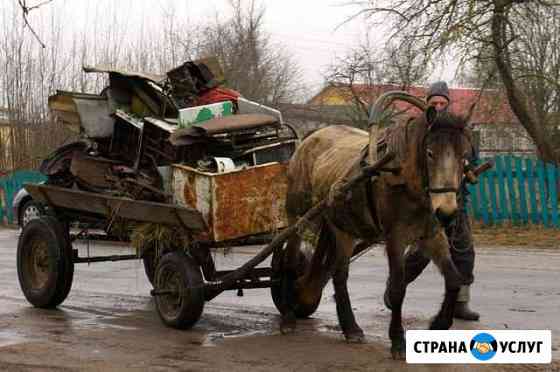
(438, 249)
(289, 267)
(346, 319)
(397, 289)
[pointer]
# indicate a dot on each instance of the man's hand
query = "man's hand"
(472, 174)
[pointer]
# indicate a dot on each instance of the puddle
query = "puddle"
(103, 322)
(8, 338)
(100, 324)
(214, 338)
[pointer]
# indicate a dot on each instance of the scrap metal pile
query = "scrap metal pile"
(140, 124)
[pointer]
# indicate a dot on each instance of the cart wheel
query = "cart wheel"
(180, 300)
(44, 262)
(301, 310)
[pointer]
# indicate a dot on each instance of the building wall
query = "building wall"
(503, 139)
(491, 139)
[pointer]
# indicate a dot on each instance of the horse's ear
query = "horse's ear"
(431, 115)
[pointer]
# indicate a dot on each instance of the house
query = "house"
(496, 128)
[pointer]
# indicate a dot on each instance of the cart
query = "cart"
(184, 276)
(201, 163)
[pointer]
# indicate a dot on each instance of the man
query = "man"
(458, 231)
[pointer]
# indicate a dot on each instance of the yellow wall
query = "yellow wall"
(332, 96)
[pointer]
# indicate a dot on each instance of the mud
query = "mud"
(108, 323)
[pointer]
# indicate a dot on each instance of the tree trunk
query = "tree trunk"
(536, 130)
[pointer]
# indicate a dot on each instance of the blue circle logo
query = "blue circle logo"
(483, 346)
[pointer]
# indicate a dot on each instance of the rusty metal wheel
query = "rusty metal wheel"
(301, 310)
(179, 290)
(44, 262)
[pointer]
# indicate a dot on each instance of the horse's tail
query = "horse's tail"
(322, 265)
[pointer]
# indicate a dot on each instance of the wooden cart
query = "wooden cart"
(214, 210)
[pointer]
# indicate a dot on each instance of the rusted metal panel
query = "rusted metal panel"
(235, 204)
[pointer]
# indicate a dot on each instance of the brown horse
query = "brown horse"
(398, 209)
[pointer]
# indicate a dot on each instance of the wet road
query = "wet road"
(108, 322)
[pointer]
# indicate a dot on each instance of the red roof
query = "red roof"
(491, 105)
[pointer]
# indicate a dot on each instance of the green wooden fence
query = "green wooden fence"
(517, 190)
(9, 186)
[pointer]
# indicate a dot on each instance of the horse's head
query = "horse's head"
(430, 149)
(444, 146)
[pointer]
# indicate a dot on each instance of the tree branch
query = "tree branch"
(25, 9)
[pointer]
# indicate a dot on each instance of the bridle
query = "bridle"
(459, 130)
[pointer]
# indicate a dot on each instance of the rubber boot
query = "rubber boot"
(462, 310)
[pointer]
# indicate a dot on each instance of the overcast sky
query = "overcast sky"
(311, 30)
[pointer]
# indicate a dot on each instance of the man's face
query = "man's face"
(438, 102)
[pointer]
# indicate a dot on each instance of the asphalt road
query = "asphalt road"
(109, 322)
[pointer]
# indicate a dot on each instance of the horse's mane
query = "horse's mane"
(448, 127)
(397, 136)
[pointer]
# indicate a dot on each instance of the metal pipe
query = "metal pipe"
(77, 259)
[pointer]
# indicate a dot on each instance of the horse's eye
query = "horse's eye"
(430, 154)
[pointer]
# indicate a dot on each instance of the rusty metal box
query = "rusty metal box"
(237, 203)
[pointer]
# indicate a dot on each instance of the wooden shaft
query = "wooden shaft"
(472, 174)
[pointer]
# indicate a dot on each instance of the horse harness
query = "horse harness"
(349, 213)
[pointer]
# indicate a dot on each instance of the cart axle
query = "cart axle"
(77, 259)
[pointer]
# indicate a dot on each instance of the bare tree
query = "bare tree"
(362, 72)
(472, 28)
(31, 72)
(253, 64)
(535, 59)
(25, 8)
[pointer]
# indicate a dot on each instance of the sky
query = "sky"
(314, 32)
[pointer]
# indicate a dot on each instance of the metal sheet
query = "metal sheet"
(88, 111)
(95, 117)
(238, 203)
(249, 107)
(226, 124)
(107, 69)
(104, 205)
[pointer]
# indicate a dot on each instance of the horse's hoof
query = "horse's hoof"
(287, 329)
(440, 324)
(398, 349)
(355, 337)
(398, 355)
(288, 324)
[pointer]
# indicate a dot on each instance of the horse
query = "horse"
(400, 208)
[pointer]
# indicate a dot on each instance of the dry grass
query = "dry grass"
(148, 235)
(529, 236)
